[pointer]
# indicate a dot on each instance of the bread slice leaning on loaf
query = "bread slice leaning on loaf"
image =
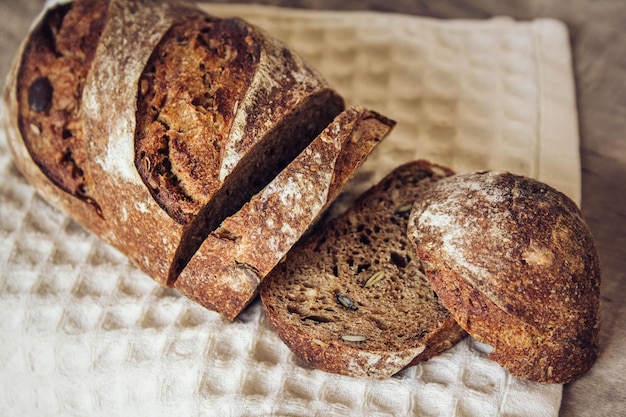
(224, 274)
(515, 263)
(351, 298)
(150, 122)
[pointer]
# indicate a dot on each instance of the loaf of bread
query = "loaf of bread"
(351, 298)
(150, 123)
(515, 263)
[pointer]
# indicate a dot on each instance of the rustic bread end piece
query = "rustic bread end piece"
(351, 299)
(515, 263)
(224, 274)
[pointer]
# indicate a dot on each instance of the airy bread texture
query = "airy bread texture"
(351, 298)
(515, 263)
(150, 123)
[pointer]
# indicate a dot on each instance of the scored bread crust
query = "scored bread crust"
(321, 305)
(134, 223)
(58, 195)
(515, 263)
(224, 274)
(128, 217)
(50, 83)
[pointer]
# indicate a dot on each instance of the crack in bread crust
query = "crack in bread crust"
(194, 78)
(52, 74)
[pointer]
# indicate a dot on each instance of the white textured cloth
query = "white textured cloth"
(83, 332)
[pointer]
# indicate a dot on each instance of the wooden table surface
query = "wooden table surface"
(598, 37)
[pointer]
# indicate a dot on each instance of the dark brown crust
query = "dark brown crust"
(335, 357)
(515, 263)
(300, 294)
(58, 55)
(195, 77)
(135, 224)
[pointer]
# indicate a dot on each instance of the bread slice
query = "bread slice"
(515, 263)
(351, 298)
(224, 274)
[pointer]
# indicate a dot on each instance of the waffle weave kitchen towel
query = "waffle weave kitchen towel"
(85, 333)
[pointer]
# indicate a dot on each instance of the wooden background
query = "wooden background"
(598, 37)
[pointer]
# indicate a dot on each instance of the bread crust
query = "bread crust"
(53, 66)
(515, 263)
(135, 224)
(65, 199)
(195, 77)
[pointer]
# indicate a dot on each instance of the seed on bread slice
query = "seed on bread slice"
(351, 299)
(514, 261)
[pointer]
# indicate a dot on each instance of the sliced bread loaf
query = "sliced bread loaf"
(351, 298)
(149, 122)
(515, 263)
